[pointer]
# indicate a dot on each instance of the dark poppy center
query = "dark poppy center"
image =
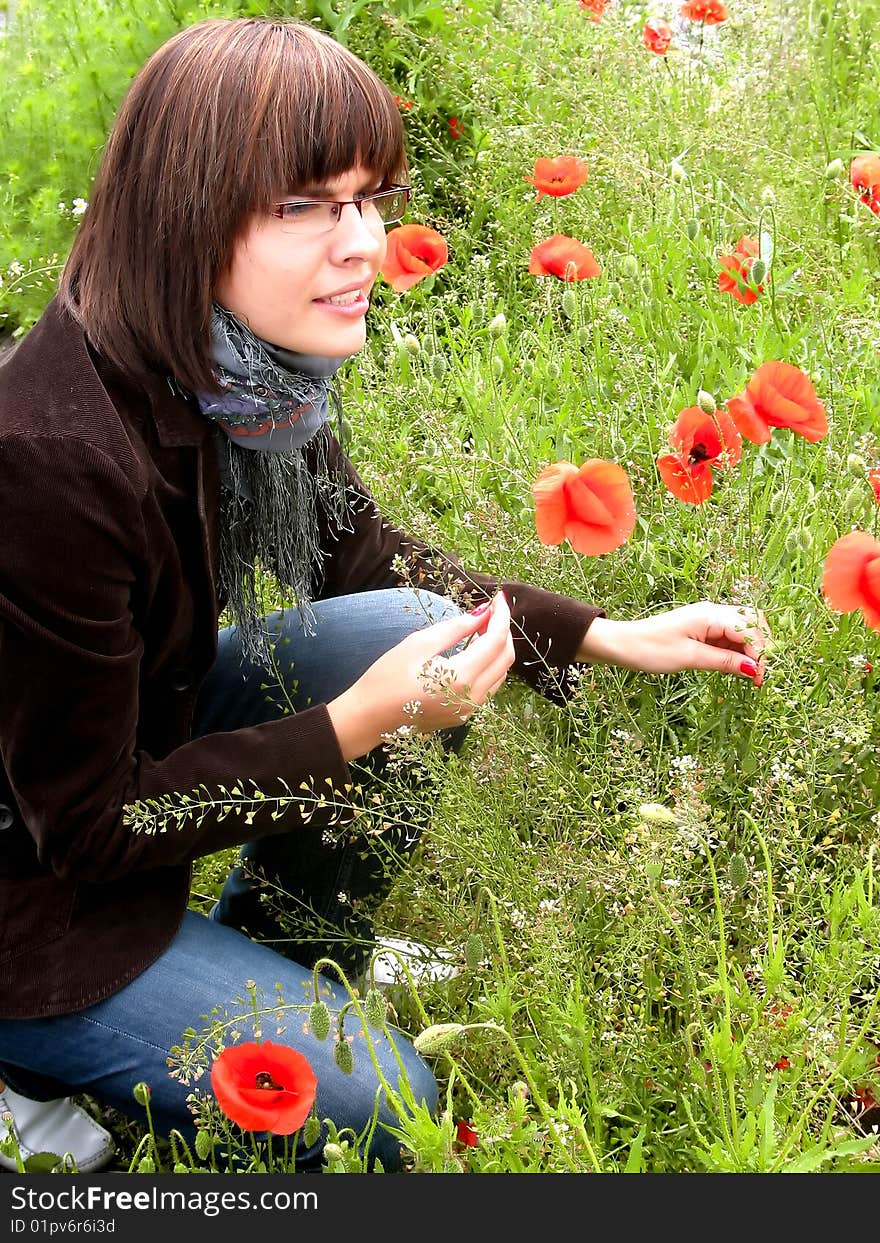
(699, 453)
(265, 1081)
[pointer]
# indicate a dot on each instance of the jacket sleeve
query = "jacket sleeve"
(547, 628)
(70, 669)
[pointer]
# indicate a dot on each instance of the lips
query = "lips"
(345, 297)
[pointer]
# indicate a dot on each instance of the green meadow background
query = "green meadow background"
(640, 991)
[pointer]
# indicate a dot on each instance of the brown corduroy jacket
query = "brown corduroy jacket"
(108, 624)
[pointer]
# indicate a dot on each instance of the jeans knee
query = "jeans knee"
(430, 606)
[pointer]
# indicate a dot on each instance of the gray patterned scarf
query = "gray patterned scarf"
(271, 434)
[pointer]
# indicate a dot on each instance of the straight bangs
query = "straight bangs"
(225, 119)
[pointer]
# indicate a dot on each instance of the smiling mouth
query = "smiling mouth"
(344, 299)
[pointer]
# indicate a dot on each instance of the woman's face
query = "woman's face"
(308, 293)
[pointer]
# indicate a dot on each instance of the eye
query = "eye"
(300, 211)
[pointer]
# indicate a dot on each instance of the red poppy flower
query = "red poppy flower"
(864, 174)
(591, 506)
(734, 279)
(778, 395)
(563, 257)
(456, 129)
(874, 481)
(414, 252)
(657, 35)
(466, 1135)
(264, 1087)
(709, 11)
(782, 1064)
(559, 176)
(594, 8)
(701, 441)
(851, 576)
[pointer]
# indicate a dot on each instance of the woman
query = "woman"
(164, 430)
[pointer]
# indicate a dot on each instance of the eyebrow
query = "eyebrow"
(324, 192)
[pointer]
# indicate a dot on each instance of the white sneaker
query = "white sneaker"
(59, 1127)
(425, 962)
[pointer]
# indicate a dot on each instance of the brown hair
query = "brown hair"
(222, 118)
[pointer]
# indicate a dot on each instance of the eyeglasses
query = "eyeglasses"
(309, 217)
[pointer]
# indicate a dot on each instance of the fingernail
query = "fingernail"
(481, 609)
(749, 668)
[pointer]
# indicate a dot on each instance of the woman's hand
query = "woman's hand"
(414, 684)
(718, 637)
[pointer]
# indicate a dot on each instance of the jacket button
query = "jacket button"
(181, 680)
(6, 817)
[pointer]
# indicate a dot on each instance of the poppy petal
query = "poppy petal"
(414, 251)
(691, 483)
(748, 421)
(280, 1108)
(563, 257)
(551, 505)
(847, 584)
(786, 397)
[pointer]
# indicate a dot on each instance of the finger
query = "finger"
(442, 635)
(469, 667)
(494, 677)
(728, 660)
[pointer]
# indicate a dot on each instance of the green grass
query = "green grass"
(691, 995)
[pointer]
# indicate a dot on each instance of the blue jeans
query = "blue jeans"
(109, 1047)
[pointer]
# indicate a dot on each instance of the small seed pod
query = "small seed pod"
(692, 229)
(319, 1020)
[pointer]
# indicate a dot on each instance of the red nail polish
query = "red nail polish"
(480, 609)
(749, 668)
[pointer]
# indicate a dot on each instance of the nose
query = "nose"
(358, 235)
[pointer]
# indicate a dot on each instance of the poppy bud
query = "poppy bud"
(834, 169)
(438, 366)
(311, 1130)
(676, 171)
(856, 465)
(569, 304)
(758, 271)
(146, 1165)
(738, 871)
(374, 1007)
(474, 951)
(792, 544)
(692, 228)
(629, 266)
(333, 1152)
(141, 1093)
(204, 1144)
(497, 366)
(498, 325)
(706, 402)
(656, 813)
(854, 499)
(436, 1038)
(554, 371)
(527, 367)
(805, 538)
(319, 1020)
(343, 1056)
(768, 198)
(413, 345)
(615, 290)
(584, 336)
(647, 287)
